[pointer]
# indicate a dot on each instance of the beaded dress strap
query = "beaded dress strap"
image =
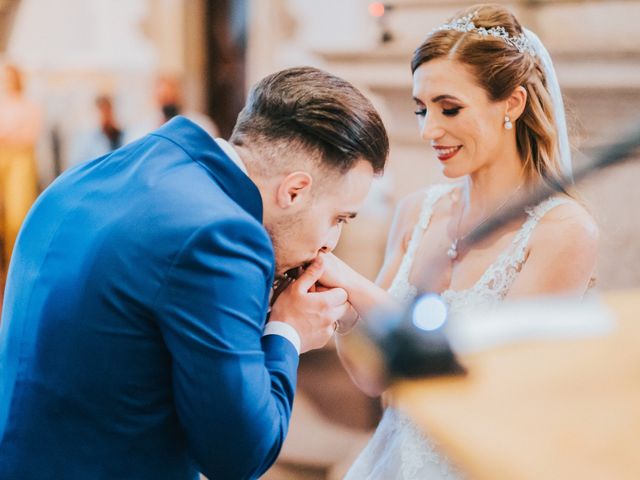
(535, 215)
(401, 280)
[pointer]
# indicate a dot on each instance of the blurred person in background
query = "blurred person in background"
(107, 136)
(20, 124)
(168, 97)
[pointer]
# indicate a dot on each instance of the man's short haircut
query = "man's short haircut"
(309, 109)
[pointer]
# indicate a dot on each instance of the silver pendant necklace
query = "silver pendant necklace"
(453, 252)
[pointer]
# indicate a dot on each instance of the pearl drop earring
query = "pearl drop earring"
(507, 122)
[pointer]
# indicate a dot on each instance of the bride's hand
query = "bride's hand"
(362, 293)
(336, 272)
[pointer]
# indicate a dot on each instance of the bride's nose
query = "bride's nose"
(430, 128)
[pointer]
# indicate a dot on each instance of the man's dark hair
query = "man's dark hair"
(308, 108)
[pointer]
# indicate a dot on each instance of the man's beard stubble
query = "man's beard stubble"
(287, 269)
(283, 233)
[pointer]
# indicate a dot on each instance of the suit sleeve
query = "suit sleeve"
(233, 389)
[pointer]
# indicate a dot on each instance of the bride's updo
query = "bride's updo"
(499, 68)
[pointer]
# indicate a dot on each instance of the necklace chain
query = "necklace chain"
(452, 252)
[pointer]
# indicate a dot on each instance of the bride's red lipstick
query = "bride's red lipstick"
(446, 153)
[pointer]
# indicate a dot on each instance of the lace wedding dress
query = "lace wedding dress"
(398, 450)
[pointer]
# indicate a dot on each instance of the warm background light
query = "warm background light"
(376, 9)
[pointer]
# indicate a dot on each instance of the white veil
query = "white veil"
(558, 104)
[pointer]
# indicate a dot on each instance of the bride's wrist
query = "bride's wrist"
(365, 294)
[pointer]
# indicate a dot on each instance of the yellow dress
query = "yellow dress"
(20, 122)
(18, 191)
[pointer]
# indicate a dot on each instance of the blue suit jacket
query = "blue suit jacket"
(131, 339)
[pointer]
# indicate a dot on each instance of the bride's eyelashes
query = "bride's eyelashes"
(451, 112)
(447, 112)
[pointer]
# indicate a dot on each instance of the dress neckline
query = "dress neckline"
(512, 257)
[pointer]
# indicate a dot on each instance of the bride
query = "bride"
(488, 102)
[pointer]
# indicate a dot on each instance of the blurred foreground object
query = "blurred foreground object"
(543, 408)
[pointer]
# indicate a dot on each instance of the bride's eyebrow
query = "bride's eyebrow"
(438, 99)
(445, 97)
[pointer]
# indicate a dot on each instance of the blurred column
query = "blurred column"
(226, 44)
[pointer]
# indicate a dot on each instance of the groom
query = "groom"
(133, 342)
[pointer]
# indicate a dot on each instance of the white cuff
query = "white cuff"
(284, 330)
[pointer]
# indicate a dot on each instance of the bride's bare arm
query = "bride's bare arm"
(406, 215)
(562, 254)
(365, 295)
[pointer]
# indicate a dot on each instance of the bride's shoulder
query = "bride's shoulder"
(568, 222)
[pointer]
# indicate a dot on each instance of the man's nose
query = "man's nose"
(332, 239)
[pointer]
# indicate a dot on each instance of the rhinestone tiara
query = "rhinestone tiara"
(466, 25)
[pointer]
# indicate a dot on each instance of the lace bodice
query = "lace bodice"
(494, 284)
(398, 450)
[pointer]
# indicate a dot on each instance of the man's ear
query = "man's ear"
(293, 189)
(516, 103)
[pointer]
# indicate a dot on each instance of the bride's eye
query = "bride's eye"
(451, 112)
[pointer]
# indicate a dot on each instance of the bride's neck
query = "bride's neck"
(489, 187)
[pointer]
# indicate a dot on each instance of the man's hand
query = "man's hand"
(312, 313)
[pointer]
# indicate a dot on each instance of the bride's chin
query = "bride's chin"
(453, 173)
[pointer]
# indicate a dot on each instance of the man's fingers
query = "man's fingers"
(342, 310)
(333, 296)
(310, 276)
(334, 314)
